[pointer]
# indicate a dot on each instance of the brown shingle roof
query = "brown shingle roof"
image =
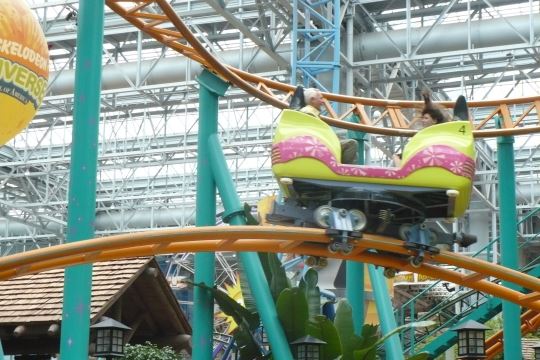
(38, 297)
(132, 291)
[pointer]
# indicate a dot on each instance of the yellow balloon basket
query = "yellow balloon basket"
(24, 67)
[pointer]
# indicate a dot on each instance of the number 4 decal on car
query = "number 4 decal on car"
(462, 129)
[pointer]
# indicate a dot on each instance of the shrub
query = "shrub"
(150, 351)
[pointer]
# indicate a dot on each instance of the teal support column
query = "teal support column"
(509, 244)
(355, 293)
(234, 214)
(378, 283)
(75, 328)
(385, 311)
(355, 270)
(211, 88)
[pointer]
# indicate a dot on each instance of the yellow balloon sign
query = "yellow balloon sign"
(24, 67)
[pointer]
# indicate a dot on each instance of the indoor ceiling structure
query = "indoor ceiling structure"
(392, 49)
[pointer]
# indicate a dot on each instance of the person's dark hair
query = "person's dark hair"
(432, 110)
(297, 100)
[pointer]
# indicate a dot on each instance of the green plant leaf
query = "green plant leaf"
(249, 349)
(279, 280)
(250, 219)
(365, 352)
(241, 315)
(265, 262)
(150, 351)
(419, 356)
(323, 329)
(313, 294)
(246, 320)
(370, 335)
(344, 326)
(292, 311)
(369, 353)
(249, 300)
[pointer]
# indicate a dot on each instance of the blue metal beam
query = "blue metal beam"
(320, 37)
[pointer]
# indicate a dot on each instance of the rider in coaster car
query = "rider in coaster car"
(432, 114)
(314, 100)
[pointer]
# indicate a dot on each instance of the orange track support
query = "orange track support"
(163, 24)
(372, 249)
(530, 322)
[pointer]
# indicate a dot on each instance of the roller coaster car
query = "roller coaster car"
(434, 181)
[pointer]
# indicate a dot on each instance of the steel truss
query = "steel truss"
(147, 153)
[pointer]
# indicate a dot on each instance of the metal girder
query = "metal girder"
(249, 33)
(34, 160)
(315, 44)
(425, 66)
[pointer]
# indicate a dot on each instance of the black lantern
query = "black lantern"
(307, 348)
(536, 348)
(471, 340)
(109, 338)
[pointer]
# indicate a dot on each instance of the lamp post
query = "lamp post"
(307, 348)
(471, 340)
(109, 338)
(536, 348)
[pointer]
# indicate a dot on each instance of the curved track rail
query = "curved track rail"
(158, 19)
(372, 249)
(530, 322)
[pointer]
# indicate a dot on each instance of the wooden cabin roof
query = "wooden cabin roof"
(133, 291)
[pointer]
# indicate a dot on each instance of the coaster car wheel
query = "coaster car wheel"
(334, 247)
(322, 215)
(403, 230)
(389, 273)
(433, 236)
(347, 249)
(316, 261)
(359, 219)
(416, 261)
(311, 261)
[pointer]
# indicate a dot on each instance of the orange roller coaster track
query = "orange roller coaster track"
(372, 249)
(530, 321)
(158, 19)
